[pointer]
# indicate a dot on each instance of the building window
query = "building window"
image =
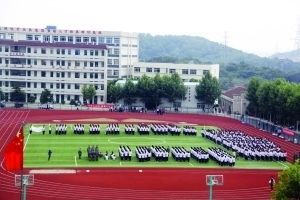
(156, 70)
(85, 52)
(91, 52)
(35, 85)
(43, 85)
(63, 74)
(51, 62)
(116, 61)
(69, 52)
(6, 49)
(63, 51)
(185, 71)
(46, 38)
(102, 87)
(62, 86)
(116, 73)
(29, 37)
(77, 75)
(57, 74)
(96, 64)
(51, 85)
(172, 71)
(28, 62)
(84, 75)
(43, 74)
(101, 40)
(58, 62)
(137, 69)
(148, 69)
(91, 64)
(91, 75)
(28, 73)
(117, 40)
(116, 51)
(57, 85)
(55, 38)
(28, 50)
(108, 40)
(35, 73)
(96, 53)
(77, 52)
(86, 39)
(43, 51)
(96, 76)
(102, 75)
(77, 63)
(70, 39)
(93, 39)
(77, 86)
(28, 84)
(193, 71)
(78, 39)
(62, 63)
(44, 62)
(37, 37)
(69, 74)
(109, 61)
(51, 74)
(205, 71)
(62, 38)
(69, 86)
(57, 51)
(69, 63)
(35, 62)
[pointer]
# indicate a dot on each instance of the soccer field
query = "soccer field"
(65, 148)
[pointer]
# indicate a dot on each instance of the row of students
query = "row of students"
(143, 129)
(93, 153)
(78, 129)
(125, 153)
(199, 154)
(94, 129)
(159, 129)
(129, 129)
(189, 130)
(221, 157)
(143, 153)
(160, 153)
(113, 129)
(174, 129)
(180, 154)
(60, 129)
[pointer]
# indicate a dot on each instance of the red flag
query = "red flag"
(13, 154)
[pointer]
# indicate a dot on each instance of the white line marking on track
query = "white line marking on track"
(283, 164)
(120, 163)
(75, 161)
(191, 164)
(26, 142)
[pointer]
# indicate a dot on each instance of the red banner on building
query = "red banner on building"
(288, 132)
(13, 154)
(105, 105)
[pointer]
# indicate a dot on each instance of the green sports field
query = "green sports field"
(65, 148)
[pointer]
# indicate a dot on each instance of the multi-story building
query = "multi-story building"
(186, 71)
(63, 61)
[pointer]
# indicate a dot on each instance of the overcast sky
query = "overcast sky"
(262, 27)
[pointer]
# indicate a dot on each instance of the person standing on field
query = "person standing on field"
(49, 154)
(272, 182)
(79, 153)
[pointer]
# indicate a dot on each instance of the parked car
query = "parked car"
(46, 106)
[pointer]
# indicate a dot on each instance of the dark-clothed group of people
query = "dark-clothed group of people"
(199, 154)
(125, 153)
(160, 153)
(246, 146)
(93, 153)
(78, 129)
(94, 129)
(221, 157)
(61, 129)
(143, 153)
(113, 129)
(180, 154)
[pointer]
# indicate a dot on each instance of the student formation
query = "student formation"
(241, 144)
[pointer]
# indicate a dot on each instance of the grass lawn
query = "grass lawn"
(65, 147)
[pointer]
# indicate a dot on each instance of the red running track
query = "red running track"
(124, 183)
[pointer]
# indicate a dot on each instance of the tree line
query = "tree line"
(151, 91)
(277, 100)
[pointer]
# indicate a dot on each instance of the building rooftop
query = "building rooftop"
(236, 91)
(56, 44)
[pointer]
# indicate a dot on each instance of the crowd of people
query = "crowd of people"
(78, 129)
(199, 154)
(160, 153)
(125, 153)
(180, 154)
(143, 153)
(108, 156)
(221, 157)
(174, 129)
(159, 129)
(246, 146)
(113, 129)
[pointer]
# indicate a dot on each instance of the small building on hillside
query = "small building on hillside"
(233, 101)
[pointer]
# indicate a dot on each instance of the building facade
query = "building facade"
(63, 61)
(186, 71)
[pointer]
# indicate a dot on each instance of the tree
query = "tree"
(145, 89)
(88, 92)
(31, 99)
(289, 183)
(18, 96)
(129, 92)
(46, 96)
(174, 87)
(114, 91)
(208, 89)
(251, 95)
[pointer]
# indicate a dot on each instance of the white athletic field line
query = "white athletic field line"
(75, 161)
(26, 142)
(191, 164)
(120, 163)
(283, 164)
